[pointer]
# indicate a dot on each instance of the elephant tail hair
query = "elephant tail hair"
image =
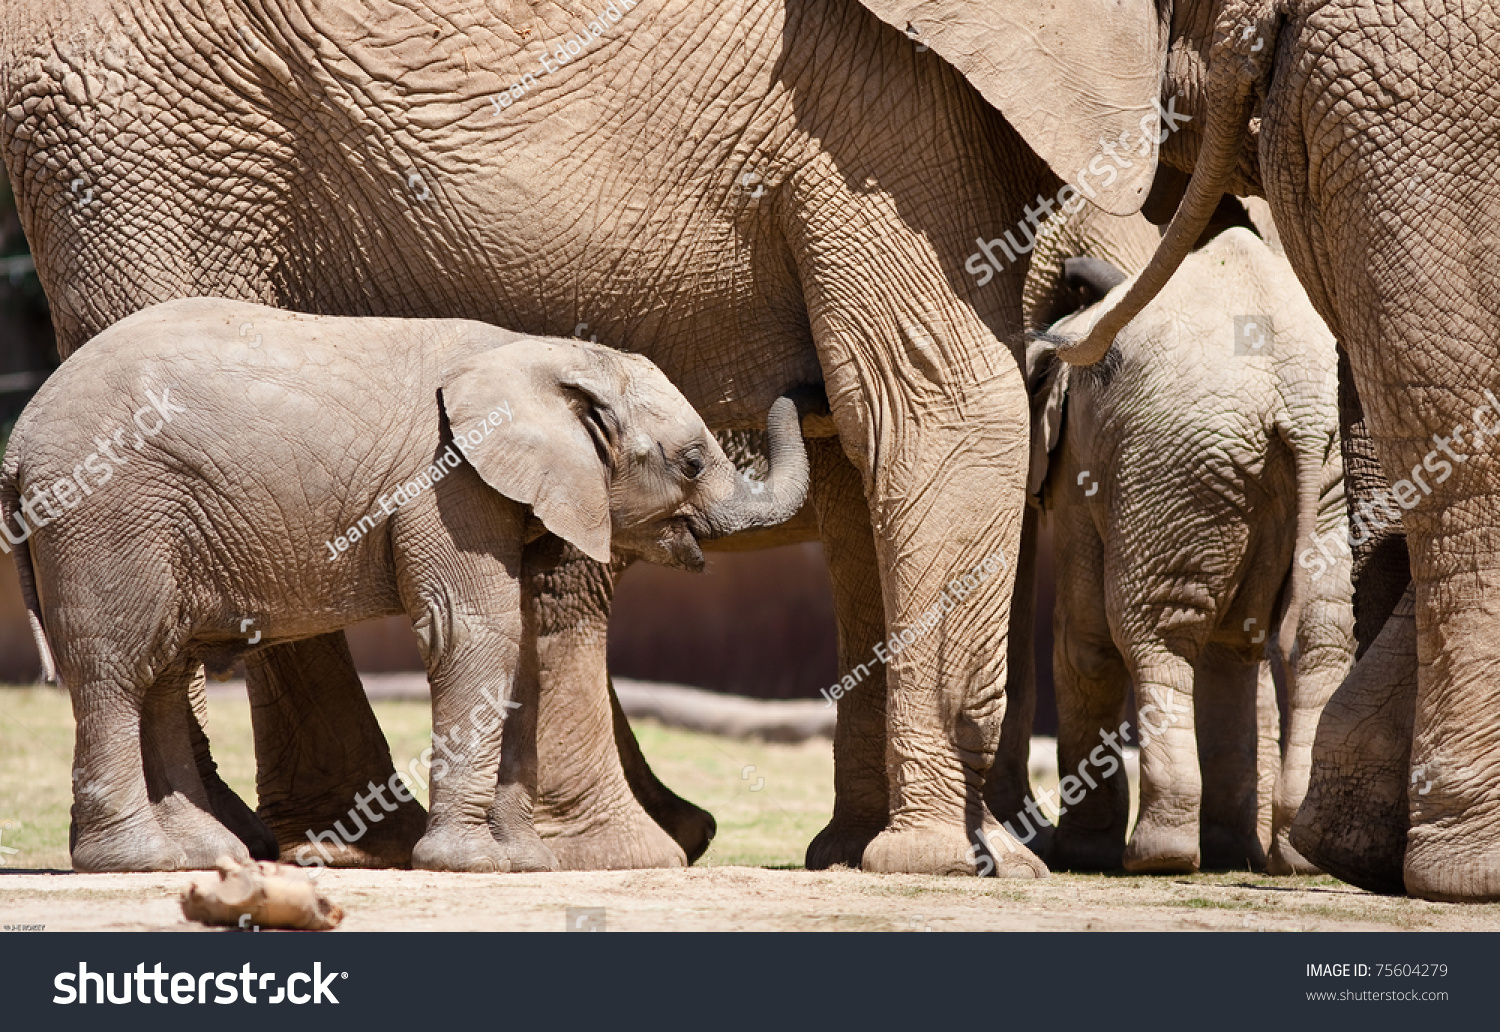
(10, 497)
(1307, 453)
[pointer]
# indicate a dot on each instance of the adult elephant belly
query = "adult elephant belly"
(753, 194)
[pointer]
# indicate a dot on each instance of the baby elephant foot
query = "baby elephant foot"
(460, 847)
(201, 837)
(842, 841)
(232, 812)
(1162, 849)
(1286, 860)
(137, 844)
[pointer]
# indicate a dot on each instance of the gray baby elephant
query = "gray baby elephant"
(1189, 477)
(209, 477)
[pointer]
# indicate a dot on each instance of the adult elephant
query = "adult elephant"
(756, 194)
(1364, 129)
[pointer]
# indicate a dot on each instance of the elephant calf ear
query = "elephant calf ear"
(527, 418)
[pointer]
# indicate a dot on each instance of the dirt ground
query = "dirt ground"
(755, 899)
(769, 800)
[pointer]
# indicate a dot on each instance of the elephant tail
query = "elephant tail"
(1308, 455)
(10, 507)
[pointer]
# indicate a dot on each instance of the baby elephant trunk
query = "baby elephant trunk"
(765, 503)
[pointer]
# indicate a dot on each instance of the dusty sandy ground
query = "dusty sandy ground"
(754, 899)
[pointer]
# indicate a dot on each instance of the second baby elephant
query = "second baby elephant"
(1186, 474)
(177, 483)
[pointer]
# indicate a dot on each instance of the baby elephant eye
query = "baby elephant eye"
(692, 463)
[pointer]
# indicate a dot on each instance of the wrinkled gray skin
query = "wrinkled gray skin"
(349, 160)
(217, 513)
(1367, 131)
(1184, 475)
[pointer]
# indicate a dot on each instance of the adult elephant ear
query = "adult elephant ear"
(1067, 74)
(538, 420)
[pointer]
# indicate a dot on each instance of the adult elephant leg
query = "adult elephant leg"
(1226, 708)
(586, 812)
(1363, 785)
(932, 410)
(1453, 845)
(861, 794)
(1381, 568)
(1353, 821)
(1007, 786)
(690, 826)
(318, 746)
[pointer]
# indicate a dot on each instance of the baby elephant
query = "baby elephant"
(207, 477)
(1186, 475)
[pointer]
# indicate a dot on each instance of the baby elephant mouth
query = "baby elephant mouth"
(674, 544)
(687, 555)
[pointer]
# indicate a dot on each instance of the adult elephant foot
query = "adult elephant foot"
(1285, 859)
(1353, 821)
(325, 782)
(925, 849)
(690, 826)
(842, 841)
(586, 810)
(625, 838)
(1453, 785)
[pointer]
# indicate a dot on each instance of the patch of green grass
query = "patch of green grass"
(769, 799)
(1198, 902)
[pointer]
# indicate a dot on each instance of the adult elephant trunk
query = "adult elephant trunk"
(765, 503)
(1238, 63)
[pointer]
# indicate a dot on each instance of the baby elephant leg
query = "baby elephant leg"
(1225, 704)
(114, 826)
(459, 576)
(1165, 839)
(227, 807)
(179, 798)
